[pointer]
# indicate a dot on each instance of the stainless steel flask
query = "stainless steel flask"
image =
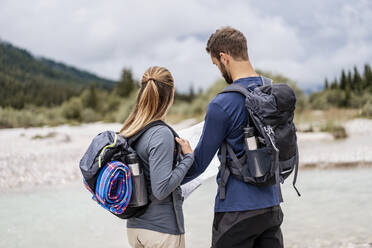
(133, 164)
(139, 190)
(250, 138)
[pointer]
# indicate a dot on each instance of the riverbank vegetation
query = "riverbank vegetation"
(313, 113)
(352, 90)
(38, 92)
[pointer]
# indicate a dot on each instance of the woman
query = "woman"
(162, 224)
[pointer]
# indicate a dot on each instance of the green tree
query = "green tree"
(326, 84)
(343, 80)
(126, 83)
(347, 98)
(367, 77)
(334, 84)
(92, 99)
(357, 80)
(191, 92)
(26, 80)
(349, 79)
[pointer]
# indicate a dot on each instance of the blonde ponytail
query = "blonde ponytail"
(153, 100)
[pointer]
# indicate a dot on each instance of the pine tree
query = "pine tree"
(92, 100)
(126, 84)
(349, 80)
(334, 84)
(347, 98)
(200, 91)
(367, 77)
(343, 80)
(191, 93)
(357, 80)
(326, 85)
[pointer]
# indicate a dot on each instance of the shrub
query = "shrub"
(89, 115)
(124, 110)
(338, 131)
(360, 100)
(335, 98)
(319, 101)
(48, 135)
(110, 103)
(72, 109)
(326, 99)
(21, 118)
(367, 110)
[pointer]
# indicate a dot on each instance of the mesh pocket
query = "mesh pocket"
(258, 162)
(139, 191)
(286, 167)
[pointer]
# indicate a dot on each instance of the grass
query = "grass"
(337, 130)
(48, 135)
(366, 111)
(309, 116)
(318, 120)
(330, 121)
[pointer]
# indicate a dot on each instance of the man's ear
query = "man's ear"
(224, 58)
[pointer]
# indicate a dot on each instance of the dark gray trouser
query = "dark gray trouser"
(248, 229)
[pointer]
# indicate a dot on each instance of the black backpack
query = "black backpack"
(270, 112)
(108, 146)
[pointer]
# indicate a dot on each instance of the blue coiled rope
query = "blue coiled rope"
(114, 187)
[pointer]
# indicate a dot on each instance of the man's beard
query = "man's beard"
(225, 74)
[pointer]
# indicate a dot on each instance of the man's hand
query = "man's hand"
(185, 146)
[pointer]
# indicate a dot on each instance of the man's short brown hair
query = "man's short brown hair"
(228, 40)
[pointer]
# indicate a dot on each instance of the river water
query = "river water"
(335, 210)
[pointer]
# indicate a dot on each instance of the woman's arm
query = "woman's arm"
(165, 179)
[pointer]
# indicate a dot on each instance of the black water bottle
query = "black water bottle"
(250, 138)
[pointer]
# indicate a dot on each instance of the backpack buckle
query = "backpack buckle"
(269, 130)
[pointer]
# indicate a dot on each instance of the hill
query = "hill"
(29, 80)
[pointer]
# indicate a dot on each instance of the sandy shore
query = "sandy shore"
(50, 155)
(320, 150)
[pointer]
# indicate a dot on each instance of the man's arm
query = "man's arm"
(214, 132)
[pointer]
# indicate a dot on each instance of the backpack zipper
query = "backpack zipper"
(103, 150)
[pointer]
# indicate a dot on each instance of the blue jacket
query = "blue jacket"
(226, 114)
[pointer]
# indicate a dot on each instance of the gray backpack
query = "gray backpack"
(108, 146)
(270, 112)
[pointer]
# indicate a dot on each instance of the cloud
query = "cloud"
(304, 41)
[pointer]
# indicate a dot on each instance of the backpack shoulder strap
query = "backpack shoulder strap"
(244, 91)
(174, 132)
(236, 88)
(135, 137)
(225, 172)
(177, 155)
(266, 81)
(131, 140)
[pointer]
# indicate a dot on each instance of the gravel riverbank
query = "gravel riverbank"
(50, 155)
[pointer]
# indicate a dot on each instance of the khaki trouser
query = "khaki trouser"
(143, 238)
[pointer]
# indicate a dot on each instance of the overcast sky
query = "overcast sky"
(304, 40)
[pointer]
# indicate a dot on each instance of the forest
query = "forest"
(38, 91)
(351, 90)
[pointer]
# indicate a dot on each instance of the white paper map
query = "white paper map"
(193, 134)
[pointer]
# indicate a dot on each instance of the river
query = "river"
(335, 210)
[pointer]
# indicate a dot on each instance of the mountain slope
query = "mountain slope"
(25, 79)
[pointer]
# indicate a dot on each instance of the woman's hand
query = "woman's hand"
(185, 145)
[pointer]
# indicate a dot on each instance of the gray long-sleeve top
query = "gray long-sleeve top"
(156, 149)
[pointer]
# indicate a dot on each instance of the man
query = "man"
(249, 216)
